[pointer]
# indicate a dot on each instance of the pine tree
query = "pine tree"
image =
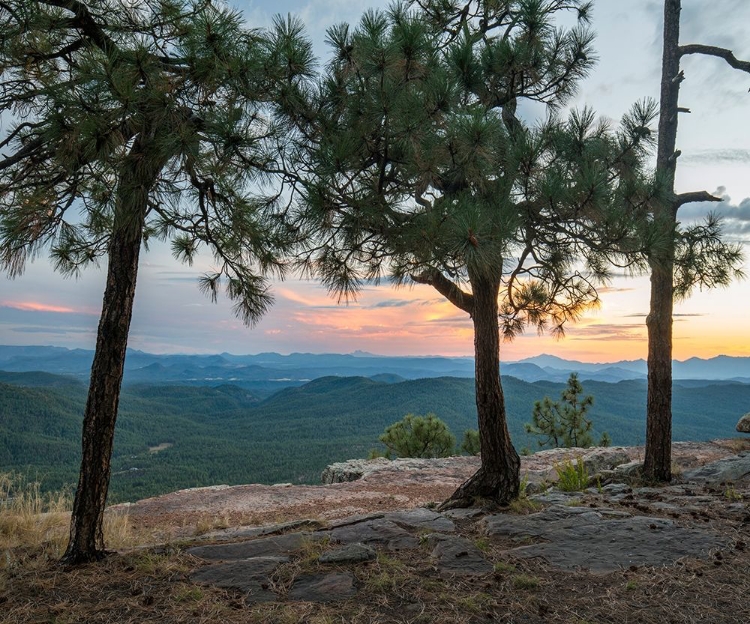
(563, 423)
(420, 169)
(134, 121)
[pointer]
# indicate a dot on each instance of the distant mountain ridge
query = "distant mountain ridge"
(267, 373)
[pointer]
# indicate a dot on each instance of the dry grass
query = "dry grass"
(34, 526)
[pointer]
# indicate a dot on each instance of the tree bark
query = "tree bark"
(658, 453)
(498, 478)
(137, 177)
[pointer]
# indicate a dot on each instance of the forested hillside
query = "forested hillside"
(173, 437)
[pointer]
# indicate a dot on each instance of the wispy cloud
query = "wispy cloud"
(606, 332)
(716, 156)
(33, 306)
(395, 303)
(39, 330)
(612, 289)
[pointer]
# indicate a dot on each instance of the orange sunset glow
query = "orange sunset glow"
(33, 306)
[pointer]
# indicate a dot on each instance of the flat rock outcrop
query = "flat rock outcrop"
(723, 471)
(602, 530)
(601, 540)
(389, 486)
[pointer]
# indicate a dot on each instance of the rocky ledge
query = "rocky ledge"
(383, 486)
(601, 530)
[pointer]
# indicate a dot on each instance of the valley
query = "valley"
(173, 436)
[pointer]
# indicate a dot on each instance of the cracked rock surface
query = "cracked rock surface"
(601, 530)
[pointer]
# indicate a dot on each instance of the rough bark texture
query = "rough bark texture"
(498, 477)
(86, 529)
(658, 453)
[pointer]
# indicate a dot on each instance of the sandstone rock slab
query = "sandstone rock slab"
(578, 538)
(267, 546)
(351, 553)
(379, 532)
(248, 575)
(728, 470)
(422, 519)
(458, 556)
(323, 587)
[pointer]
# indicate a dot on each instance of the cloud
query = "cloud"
(450, 320)
(395, 303)
(39, 330)
(736, 217)
(699, 24)
(33, 306)
(612, 289)
(608, 332)
(319, 302)
(716, 156)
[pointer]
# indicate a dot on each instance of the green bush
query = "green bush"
(419, 436)
(572, 477)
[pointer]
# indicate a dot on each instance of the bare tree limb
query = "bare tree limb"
(462, 300)
(727, 55)
(694, 196)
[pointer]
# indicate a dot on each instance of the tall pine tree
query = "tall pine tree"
(134, 121)
(422, 169)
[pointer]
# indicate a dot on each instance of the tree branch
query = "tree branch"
(694, 196)
(26, 150)
(86, 23)
(462, 300)
(727, 55)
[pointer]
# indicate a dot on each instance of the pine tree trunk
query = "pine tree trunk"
(498, 478)
(658, 453)
(137, 177)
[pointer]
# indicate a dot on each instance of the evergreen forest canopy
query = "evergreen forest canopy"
(225, 434)
(406, 157)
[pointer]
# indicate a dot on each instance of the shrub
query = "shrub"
(572, 477)
(419, 436)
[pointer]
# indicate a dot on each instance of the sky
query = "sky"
(172, 316)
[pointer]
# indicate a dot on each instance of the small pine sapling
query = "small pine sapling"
(563, 423)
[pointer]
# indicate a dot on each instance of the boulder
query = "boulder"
(604, 458)
(727, 470)
(630, 470)
(743, 426)
(352, 470)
